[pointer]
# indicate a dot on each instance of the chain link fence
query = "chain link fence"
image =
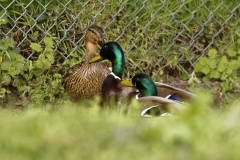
(185, 29)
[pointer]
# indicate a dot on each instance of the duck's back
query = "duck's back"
(85, 80)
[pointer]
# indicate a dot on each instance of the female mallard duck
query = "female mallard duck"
(85, 80)
(149, 94)
(112, 91)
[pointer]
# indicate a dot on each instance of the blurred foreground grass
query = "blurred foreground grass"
(69, 132)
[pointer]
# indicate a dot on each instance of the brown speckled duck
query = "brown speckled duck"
(85, 80)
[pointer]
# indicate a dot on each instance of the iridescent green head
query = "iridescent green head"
(143, 83)
(114, 53)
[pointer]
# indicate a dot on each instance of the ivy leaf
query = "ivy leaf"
(212, 53)
(5, 66)
(213, 63)
(203, 61)
(231, 52)
(205, 70)
(36, 47)
(48, 42)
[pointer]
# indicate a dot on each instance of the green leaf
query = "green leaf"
(222, 64)
(238, 60)
(238, 41)
(203, 61)
(189, 56)
(6, 79)
(197, 67)
(37, 71)
(50, 57)
(55, 84)
(212, 53)
(38, 64)
(13, 55)
(211, 73)
(46, 64)
(12, 71)
(205, 70)
(48, 42)
(224, 76)
(17, 81)
(5, 66)
(36, 47)
(231, 52)
(238, 51)
(229, 71)
(213, 63)
(234, 64)
(34, 36)
(216, 75)
(205, 79)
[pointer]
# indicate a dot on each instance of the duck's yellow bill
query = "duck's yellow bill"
(127, 82)
(95, 59)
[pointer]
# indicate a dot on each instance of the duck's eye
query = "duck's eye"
(105, 46)
(92, 31)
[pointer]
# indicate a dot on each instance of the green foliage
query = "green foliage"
(85, 132)
(222, 67)
(36, 79)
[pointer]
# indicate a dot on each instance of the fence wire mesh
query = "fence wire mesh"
(185, 29)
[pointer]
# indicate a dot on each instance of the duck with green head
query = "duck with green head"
(149, 96)
(111, 88)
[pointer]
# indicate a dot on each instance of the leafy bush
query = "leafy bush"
(36, 79)
(222, 67)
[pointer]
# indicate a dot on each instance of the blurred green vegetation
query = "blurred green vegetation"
(68, 132)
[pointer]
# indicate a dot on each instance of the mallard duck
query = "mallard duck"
(150, 98)
(112, 91)
(85, 80)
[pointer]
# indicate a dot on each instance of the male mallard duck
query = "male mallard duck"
(149, 94)
(85, 80)
(111, 87)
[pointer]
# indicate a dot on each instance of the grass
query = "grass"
(144, 29)
(80, 132)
